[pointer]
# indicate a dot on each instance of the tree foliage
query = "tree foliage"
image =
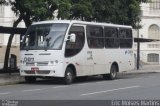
(28, 11)
(117, 11)
(33, 10)
(113, 11)
(81, 9)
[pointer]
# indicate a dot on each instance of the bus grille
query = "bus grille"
(29, 72)
(43, 72)
(38, 64)
(30, 64)
(37, 72)
(42, 63)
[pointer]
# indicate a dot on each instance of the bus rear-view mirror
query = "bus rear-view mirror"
(71, 37)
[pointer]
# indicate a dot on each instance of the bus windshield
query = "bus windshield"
(44, 37)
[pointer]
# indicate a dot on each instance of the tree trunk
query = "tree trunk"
(15, 24)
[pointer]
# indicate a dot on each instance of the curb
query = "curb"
(140, 72)
(10, 83)
(9, 79)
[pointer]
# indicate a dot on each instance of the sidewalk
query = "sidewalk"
(14, 78)
(8, 79)
(1, 65)
(145, 69)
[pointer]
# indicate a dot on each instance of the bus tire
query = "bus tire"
(69, 76)
(30, 79)
(113, 73)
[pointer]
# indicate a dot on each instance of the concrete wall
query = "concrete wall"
(14, 50)
(149, 17)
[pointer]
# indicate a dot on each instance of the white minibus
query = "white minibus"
(70, 49)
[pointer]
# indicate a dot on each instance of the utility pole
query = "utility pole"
(138, 43)
(138, 49)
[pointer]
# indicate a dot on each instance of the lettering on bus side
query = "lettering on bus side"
(28, 59)
(129, 52)
(90, 55)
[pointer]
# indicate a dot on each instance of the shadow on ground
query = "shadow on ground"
(89, 79)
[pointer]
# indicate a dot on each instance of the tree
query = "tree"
(113, 11)
(28, 11)
(125, 12)
(64, 7)
(117, 11)
(81, 9)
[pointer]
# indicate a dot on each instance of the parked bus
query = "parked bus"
(70, 49)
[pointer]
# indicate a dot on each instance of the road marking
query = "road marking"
(83, 84)
(60, 87)
(4, 93)
(137, 86)
(32, 90)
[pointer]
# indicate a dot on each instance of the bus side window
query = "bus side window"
(95, 37)
(125, 38)
(111, 37)
(74, 48)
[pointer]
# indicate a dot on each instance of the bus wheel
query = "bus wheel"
(30, 79)
(69, 76)
(113, 73)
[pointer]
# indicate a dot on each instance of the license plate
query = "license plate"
(34, 69)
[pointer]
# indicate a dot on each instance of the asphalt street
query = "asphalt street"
(142, 86)
(125, 87)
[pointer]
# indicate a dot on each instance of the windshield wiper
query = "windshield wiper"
(47, 40)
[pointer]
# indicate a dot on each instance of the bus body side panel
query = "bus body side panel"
(81, 62)
(99, 61)
(126, 60)
(111, 56)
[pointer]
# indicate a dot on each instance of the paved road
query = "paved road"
(126, 87)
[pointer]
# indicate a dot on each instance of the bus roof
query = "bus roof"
(80, 22)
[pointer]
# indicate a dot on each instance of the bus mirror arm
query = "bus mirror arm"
(71, 38)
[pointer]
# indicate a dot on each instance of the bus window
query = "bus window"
(95, 37)
(125, 38)
(73, 48)
(111, 37)
(45, 37)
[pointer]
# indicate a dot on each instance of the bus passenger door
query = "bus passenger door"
(96, 45)
(76, 52)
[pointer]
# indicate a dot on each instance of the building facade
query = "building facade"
(7, 17)
(150, 16)
(150, 52)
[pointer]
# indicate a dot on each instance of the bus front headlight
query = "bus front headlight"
(53, 62)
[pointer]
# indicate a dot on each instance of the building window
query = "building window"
(154, 58)
(153, 45)
(155, 5)
(154, 32)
